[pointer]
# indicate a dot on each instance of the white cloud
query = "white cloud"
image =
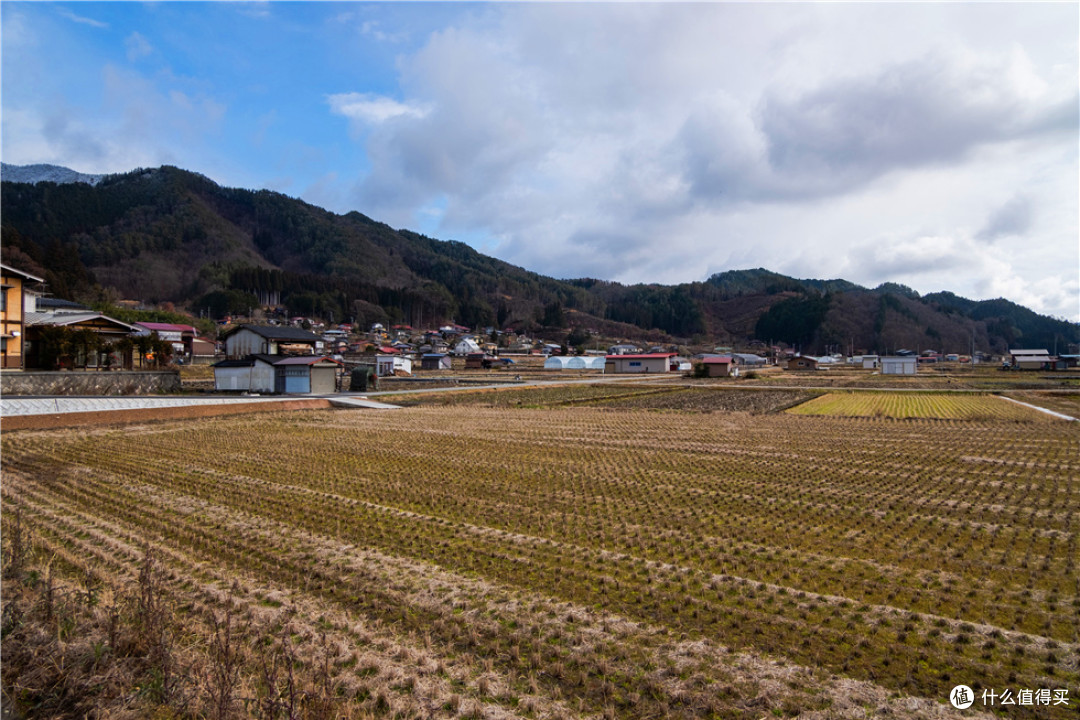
(18, 35)
(658, 142)
(254, 8)
(138, 47)
(1012, 219)
(82, 20)
(140, 124)
(370, 109)
(373, 29)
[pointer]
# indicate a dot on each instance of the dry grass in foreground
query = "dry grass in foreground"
(576, 562)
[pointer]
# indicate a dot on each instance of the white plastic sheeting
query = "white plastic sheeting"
(574, 363)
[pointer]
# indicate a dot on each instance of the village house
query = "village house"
(748, 360)
(435, 361)
(109, 331)
(478, 361)
(184, 338)
(640, 363)
(387, 365)
(717, 365)
(802, 362)
(270, 340)
(333, 336)
(466, 346)
(12, 321)
(434, 348)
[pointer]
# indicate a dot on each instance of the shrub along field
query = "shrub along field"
(579, 561)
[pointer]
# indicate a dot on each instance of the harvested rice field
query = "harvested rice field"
(615, 396)
(573, 561)
(927, 405)
(1066, 403)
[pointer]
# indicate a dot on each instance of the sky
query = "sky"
(930, 144)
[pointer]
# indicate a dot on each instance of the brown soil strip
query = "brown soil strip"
(121, 417)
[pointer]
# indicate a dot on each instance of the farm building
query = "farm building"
(270, 340)
(871, 362)
(802, 362)
(717, 365)
(642, 363)
(1031, 359)
(435, 361)
(252, 374)
(478, 361)
(297, 374)
(556, 362)
(305, 374)
(593, 362)
(748, 359)
(899, 365)
(386, 365)
(202, 350)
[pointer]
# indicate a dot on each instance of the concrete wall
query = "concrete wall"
(263, 377)
(116, 382)
(232, 378)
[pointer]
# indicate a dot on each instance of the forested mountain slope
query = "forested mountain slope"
(168, 235)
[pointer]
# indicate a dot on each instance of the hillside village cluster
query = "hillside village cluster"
(300, 355)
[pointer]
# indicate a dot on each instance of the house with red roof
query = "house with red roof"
(184, 338)
(717, 365)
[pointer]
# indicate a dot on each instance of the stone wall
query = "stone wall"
(114, 382)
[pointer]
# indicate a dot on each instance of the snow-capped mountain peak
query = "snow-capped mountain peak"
(45, 173)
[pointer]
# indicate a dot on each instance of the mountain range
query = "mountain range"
(167, 235)
(46, 173)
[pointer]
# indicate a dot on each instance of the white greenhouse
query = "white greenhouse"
(574, 363)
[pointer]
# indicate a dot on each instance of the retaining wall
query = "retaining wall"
(76, 382)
